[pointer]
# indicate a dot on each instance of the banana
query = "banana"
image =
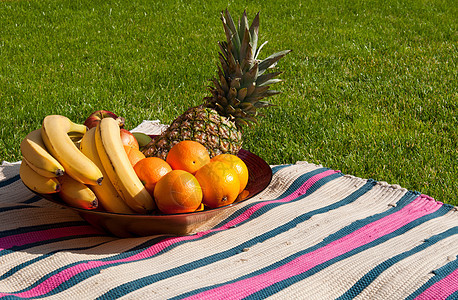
(36, 182)
(76, 194)
(119, 170)
(106, 193)
(37, 156)
(55, 136)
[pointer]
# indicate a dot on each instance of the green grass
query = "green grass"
(369, 89)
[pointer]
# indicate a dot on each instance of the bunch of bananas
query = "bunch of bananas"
(87, 168)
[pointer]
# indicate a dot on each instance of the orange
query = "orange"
(134, 155)
(149, 170)
(178, 192)
(220, 184)
(188, 156)
(237, 165)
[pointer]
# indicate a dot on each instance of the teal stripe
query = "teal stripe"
(28, 229)
(369, 277)
(16, 207)
(32, 200)
(9, 181)
(278, 168)
(439, 274)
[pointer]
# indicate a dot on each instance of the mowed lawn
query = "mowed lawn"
(369, 89)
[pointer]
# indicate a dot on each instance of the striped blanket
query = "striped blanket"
(313, 233)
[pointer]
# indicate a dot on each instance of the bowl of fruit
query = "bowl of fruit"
(102, 174)
(177, 182)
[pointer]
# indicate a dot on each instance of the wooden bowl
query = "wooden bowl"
(131, 225)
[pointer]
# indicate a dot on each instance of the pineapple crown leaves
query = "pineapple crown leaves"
(243, 80)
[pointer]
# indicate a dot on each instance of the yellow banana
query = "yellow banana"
(119, 170)
(55, 136)
(106, 193)
(36, 182)
(76, 194)
(37, 156)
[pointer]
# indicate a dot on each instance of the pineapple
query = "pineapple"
(236, 95)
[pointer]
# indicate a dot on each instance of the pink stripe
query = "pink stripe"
(57, 279)
(43, 235)
(419, 207)
(441, 289)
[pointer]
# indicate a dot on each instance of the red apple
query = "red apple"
(128, 139)
(96, 116)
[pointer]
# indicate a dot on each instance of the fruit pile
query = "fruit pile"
(192, 180)
(100, 166)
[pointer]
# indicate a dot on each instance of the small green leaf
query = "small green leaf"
(270, 82)
(266, 63)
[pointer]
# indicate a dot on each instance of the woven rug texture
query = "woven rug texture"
(313, 233)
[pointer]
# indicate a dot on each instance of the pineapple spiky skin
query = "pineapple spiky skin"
(236, 95)
(201, 124)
